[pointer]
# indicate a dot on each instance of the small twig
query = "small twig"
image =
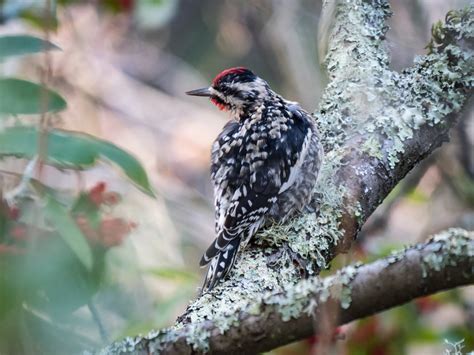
(96, 317)
(11, 195)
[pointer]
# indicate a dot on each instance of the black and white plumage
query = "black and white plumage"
(264, 164)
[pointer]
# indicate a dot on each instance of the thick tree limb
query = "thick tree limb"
(376, 125)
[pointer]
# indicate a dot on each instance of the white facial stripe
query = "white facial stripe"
(216, 93)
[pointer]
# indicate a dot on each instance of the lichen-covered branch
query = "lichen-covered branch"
(376, 125)
(445, 261)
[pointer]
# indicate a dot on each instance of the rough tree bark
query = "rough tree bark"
(376, 124)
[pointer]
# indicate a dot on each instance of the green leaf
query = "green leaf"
(66, 149)
(19, 45)
(127, 162)
(25, 97)
(39, 18)
(173, 274)
(416, 195)
(67, 228)
(85, 207)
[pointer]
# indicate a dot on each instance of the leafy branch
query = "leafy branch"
(52, 243)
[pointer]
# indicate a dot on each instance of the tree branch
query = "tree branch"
(446, 261)
(376, 124)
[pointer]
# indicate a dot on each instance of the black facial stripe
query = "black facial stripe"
(218, 100)
(243, 95)
(228, 90)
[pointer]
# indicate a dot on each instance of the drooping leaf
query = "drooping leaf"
(25, 97)
(73, 150)
(127, 162)
(59, 217)
(23, 44)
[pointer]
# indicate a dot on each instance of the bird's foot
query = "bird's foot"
(298, 261)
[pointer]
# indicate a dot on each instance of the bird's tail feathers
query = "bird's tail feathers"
(221, 264)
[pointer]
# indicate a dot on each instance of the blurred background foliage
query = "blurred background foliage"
(93, 249)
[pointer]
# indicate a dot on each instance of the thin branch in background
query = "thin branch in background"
(11, 195)
(96, 317)
(465, 132)
(290, 48)
(45, 75)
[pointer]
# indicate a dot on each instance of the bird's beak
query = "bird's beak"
(199, 92)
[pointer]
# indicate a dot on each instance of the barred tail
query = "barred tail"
(221, 264)
(220, 243)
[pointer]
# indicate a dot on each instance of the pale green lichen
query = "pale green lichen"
(395, 256)
(355, 61)
(445, 249)
(453, 243)
(224, 304)
(294, 299)
(358, 212)
(366, 98)
(312, 235)
(373, 147)
(306, 295)
(198, 338)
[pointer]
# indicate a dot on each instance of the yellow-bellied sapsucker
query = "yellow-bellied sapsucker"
(264, 163)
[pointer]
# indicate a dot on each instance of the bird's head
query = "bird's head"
(234, 89)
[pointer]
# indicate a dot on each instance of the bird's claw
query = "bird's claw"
(298, 261)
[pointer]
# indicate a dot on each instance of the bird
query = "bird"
(264, 164)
